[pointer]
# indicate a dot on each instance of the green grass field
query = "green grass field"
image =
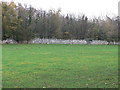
(60, 66)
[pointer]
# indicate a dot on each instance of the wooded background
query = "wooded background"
(23, 23)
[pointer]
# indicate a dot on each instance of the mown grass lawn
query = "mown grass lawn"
(60, 66)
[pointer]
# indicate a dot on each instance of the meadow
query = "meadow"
(59, 66)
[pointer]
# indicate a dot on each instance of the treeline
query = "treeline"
(22, 23)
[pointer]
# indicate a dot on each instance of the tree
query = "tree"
(22, 23)
(9, 19)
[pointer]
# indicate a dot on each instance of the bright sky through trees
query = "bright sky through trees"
(90, 8)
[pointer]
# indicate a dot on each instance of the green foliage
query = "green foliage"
(23, 23)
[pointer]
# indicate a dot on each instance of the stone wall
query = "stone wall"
(59, 41)
(9, 41)
(98, 42)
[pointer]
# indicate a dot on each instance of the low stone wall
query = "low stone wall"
(60, 41)
(98, 42)
(9, 41)
(57, 41)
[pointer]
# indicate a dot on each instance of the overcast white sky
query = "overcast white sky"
(88, 7)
